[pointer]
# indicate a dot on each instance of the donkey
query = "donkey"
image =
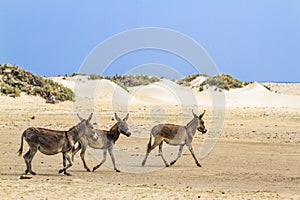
(175, 135)
(51, 142)
(106, 141)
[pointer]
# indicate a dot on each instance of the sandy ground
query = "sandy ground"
(257, 155)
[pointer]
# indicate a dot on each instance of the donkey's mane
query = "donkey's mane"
(113, 134)
(113, 128)
(192, 121)
(74, 127)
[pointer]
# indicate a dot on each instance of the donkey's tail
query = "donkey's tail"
(21, 146)
(149, 143)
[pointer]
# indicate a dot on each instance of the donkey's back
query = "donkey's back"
(170, 133)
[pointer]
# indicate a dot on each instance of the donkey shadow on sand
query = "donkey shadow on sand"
(52, 142)
(106, 141)
(175, 135)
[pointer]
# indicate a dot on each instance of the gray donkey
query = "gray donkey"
(106, 141)
(51, 142)
(175, 135)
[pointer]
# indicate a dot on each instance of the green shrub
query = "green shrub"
(223, 81)
(201, 88)
(95, 77)
(187, 80)
(126, 80)
(134, 80)
(15, 80)
(77, 74)
(267, 87)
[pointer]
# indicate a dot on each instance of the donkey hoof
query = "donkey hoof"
(167, 165)
(198, 164)
(172, 163)
(26, 171)
(33, 173)
(94, 169)
(88, 170)
(60, 171)
(68, 174)
(117, 170)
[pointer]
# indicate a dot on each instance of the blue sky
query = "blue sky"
(253, 40)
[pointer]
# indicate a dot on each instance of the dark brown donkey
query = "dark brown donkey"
(175, 135)
(51, 142)
(106, 141)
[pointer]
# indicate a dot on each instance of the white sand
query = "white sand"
(168, 92)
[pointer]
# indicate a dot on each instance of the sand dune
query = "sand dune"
(168, 92)
(252, 88)
(98, 90)
(284, 88)
(165, 91)
(256, 95)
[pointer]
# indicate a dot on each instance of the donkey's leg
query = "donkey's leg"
(26, 158)
(192, 152)
(64, 161)
(74, 151)
(82, 153)
(113, 159)
(145, 159)
(69, 158)
(161, 154)
(179, 154)
(29, 160)
(155, 144)
(103, 160)
(65, 167)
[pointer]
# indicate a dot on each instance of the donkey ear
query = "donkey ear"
(117, 118)
(196, 116)
(126, 118)
(90, 117)
(200, 116)
(80, 118)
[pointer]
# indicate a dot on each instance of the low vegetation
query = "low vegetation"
(268, 87)
(14, 80)
(223, 81)
(135, 80)
(220, 82)
(186, 81)
(127, 80)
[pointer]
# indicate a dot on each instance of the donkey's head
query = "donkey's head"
(86, 128)
(122, 125)
(200, 126)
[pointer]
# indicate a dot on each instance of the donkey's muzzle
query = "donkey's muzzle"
(95, 137)
(127, 134)
(202, 130)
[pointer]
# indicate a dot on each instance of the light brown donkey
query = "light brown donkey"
(175, 135)
(51, 142)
